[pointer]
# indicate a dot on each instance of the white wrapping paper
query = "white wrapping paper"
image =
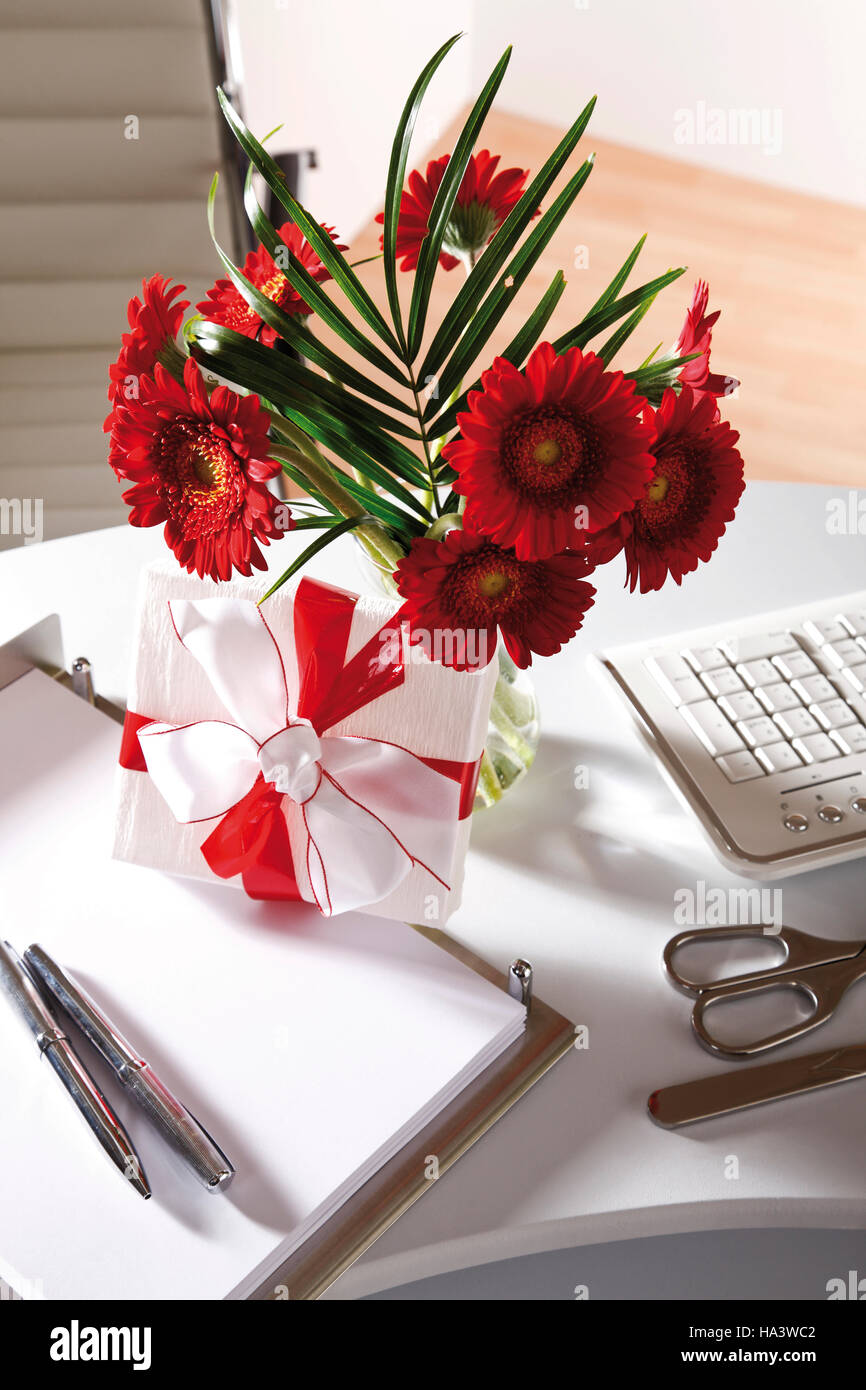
(436, 713)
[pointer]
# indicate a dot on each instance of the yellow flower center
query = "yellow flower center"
(492, 584)
(658, 489)
(548, 452)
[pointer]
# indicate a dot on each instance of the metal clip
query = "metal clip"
(520, 981)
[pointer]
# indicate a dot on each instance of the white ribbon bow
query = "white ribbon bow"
(370, 809)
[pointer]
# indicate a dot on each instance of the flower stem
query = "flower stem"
(489, 789)
(318, 471)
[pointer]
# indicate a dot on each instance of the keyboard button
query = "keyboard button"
(757, 731)
(741, 705)
(858, 708)
(855, 623)
(795, 664)
(814, 688)
(821, 630)
(851, 739)
(676, 678)
(705, 658)
(847, 653)
(856, 677)
(796, 723)
(777, 757)
(796, 823)
(777, 697)
(831, 814)
(712, 728)
(833, 714)
(753, 647)
(760, 672)
(724, 681)
(816, 748)
(740, 767)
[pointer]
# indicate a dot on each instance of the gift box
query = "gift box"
(301, 750)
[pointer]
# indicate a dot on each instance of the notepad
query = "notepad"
(312, 1050)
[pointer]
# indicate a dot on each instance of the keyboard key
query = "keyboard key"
(777, 697)
(858, 707)
(796, 723)
(705, 658)
(777, 757)
(757, 731)
(855, 623)
(724, 681)
(816, 748)
(740, 767)
(712, 728)
(795, 664)
(833, 714)
(841, 654)
(823, 630)
(757, 645)
(760, 672)
(676, 678)
(741, 705)
(851, 739)
(814, 688)
(856, 677)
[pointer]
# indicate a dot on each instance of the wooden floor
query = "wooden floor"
(788, 273)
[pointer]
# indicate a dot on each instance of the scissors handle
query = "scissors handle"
(800, 950)
(823, 985)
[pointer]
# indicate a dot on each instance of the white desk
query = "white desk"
(556, 875)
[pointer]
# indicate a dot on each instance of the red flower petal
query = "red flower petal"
(549, 454)
(696, 485)
(484, 200)
(224, 304)
(199, 464)
(459, 591)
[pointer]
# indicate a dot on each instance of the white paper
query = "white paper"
(306, 1047)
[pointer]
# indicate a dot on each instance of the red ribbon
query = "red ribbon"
(252, 838)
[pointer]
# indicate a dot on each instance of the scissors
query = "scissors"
(822, 970)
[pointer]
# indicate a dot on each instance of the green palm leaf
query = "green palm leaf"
(311, 291)
(331, 258)
(596, 321)
(334, 531)
(516, 352)
(499, 249)
(396, 175)
(493, 308)
(443, 203)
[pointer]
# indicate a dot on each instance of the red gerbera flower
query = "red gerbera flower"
(226, 306)
(461, 589)
(549, 452)
(155, 320)
(484, 200)
(696, 485)
(696, 336)
(200, 464)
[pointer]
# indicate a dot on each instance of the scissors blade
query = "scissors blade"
(724, 1092)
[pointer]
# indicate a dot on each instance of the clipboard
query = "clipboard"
(400, 1182)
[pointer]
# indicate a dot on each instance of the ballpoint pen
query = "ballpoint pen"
(55, 1046)
(180, 1129)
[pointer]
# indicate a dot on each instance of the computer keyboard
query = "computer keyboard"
(760, 725)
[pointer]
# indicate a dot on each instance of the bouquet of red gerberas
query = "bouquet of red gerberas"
(487, 504)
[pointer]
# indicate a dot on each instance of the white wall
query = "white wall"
(337, 72)
(798, 62)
